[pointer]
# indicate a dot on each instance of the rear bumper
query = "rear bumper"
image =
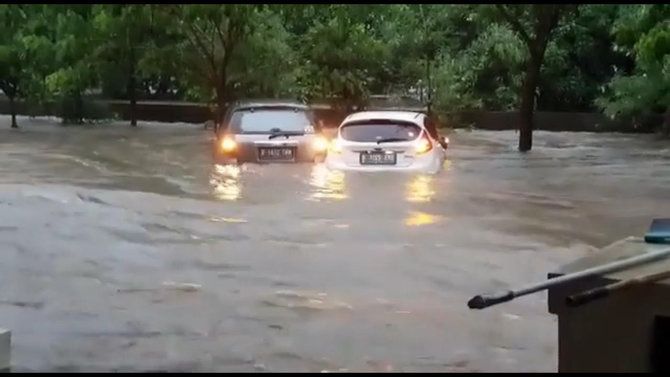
(251, 155)
(428, 165)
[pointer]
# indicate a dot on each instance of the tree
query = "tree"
(534, 25)
(341, 58)
(211, 37)
(580, 58)
(126, 33)
(25, 53)
(266, 65)
(416, 35)
(642, 31)
(12, 56)
(75, 71)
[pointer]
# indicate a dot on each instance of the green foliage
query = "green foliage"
(340, 59)
(210, 39)
(466, 56)
(75, 71)
(266, 66)
(643, 32)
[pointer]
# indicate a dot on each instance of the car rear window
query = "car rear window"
(371, 131)
(271, 120)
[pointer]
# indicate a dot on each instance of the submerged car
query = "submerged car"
(269, 131)
(387, 140)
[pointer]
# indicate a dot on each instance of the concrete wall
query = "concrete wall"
(550, 121)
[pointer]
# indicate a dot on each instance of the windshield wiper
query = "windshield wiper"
(286, 134)
(391, 140)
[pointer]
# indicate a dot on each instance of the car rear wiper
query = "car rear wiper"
(286, 134)
(391, 140)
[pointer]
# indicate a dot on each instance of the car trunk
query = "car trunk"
(379, 142)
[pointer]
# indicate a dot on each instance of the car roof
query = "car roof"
(268, 103)
(405, 116)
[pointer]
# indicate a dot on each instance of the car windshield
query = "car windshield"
(375, 131)
(271, 121)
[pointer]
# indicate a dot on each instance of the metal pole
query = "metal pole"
(484, 301)
(602, 292)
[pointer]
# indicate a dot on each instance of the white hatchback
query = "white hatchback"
(387, 141)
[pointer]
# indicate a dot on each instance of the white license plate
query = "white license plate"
(276, 154)
(378, 158)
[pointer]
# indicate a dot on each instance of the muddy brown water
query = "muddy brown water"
(127, 250)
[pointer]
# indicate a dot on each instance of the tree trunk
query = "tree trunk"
(536, 51)
(546, 19)
(79, 108)
(132, 96)
(12, 110)
(221, 102)
(429, 95)
(132, 88)
(528, 103)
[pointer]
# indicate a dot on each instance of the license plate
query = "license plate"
(374, 158)
(276, 154)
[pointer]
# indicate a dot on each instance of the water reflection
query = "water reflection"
(420, 189)
(225, 180)
(420, 218)
(217, 219)
(327, 184)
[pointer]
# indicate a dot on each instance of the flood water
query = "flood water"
(127, 250)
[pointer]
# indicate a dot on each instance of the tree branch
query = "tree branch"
(547, 17)
(515, 24)
(219, 31)
(193, 38)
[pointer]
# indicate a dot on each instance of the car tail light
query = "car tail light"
(228, 145)
(423, 145)
(320, 144)
(336, 146)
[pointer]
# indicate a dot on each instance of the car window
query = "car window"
(271, 120)
(371, 131)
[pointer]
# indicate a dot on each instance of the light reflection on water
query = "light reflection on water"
(327, 184)
(324, 184)
(226, 183)
(420, 189)
(421, 218)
